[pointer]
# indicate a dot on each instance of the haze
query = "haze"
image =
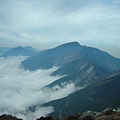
(47, 23)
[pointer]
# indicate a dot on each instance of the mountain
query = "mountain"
(66, 53)
(80, 64)
(57, 56)
(23, 51)
(87, 68)
(96, 97)
(3, 49)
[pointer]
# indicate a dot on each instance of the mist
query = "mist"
(21, 89)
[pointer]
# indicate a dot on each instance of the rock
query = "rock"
(118, 110)
(107, 114)
(108, 111)
(86, 118)
(70, 118)
(46, 118)
(8, 117)
(89, 115)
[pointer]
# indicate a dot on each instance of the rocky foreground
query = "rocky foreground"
(107, 114)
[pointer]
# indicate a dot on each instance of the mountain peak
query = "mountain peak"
(71, 44)
(19, 47)
(29, 47)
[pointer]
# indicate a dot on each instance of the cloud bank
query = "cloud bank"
(21, 89)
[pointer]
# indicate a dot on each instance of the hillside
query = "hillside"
(96, 97)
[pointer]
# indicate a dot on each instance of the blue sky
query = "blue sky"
(47, 23)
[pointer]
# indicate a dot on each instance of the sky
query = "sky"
(21, 89)
(45, 24)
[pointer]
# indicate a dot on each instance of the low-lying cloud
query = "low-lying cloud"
(21, 89)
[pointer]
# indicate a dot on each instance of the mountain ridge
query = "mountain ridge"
(56, 56)
(95, 97)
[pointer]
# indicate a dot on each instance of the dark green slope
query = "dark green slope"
(95, 98)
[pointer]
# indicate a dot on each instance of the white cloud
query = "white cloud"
(21, 89)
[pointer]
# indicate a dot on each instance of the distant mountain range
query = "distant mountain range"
(23, 51)
(3, 49)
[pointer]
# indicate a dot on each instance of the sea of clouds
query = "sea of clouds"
(21, 89)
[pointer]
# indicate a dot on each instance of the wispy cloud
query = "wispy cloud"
(21, 89)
